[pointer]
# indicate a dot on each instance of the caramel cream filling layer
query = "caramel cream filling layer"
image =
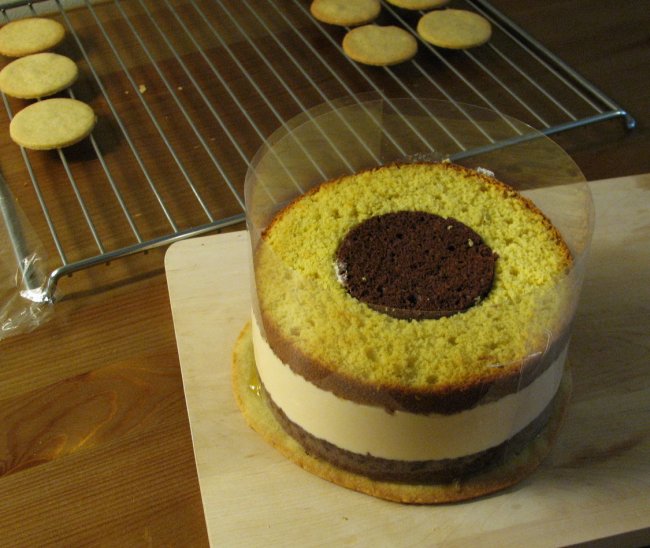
(369, 430)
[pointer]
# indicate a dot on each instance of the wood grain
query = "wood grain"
(137, 490)
(594, 485)
(602, 44)
(94, 438)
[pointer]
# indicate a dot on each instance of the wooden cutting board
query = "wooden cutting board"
(594, 485)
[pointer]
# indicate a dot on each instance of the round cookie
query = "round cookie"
(31, 35)
(53, 123)
(253, 403)
(344, 12)
(379, 45)
(454, 29)
(38, 75)
(418, 4)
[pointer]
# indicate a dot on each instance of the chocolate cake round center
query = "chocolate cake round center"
(415, 265)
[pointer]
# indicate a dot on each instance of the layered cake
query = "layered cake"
(409, 333)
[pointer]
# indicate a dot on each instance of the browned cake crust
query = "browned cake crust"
(447, 402)
(508, 465)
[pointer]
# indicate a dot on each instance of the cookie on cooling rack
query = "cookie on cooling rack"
(52, 123)
(38, 75)
(379, 45)
(32, 35)
(345, 12)
(454, 29)
(419, 4)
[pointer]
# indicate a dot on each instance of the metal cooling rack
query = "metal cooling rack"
(209, 81)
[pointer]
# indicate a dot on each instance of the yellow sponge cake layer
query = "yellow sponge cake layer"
(445, 364)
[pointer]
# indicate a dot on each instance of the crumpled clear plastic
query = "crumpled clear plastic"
(24, 303)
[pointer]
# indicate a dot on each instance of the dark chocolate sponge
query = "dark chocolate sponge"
(416, 265)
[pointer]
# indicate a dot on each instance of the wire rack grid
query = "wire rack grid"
(187, 91)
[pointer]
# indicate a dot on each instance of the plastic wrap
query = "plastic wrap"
(294, 308)
(24, 304)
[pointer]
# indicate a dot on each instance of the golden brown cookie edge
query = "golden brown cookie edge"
(366, 60)
(23, 51)
(479, 40)
(419, 5)
(8, 90)
(324, 17)
(62, 144)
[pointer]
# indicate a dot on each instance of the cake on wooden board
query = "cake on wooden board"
(376, 378)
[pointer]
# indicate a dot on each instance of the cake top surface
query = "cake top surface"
(307, 307)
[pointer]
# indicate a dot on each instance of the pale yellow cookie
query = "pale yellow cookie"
(347, 13)
(454, 29)
(38, 75)
(52, 123)
(379, 46)
(252, 402)
(419, 4)
(32, 35)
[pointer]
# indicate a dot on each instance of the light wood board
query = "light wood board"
(594, 485)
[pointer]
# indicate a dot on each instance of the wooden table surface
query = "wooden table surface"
(95, 444)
